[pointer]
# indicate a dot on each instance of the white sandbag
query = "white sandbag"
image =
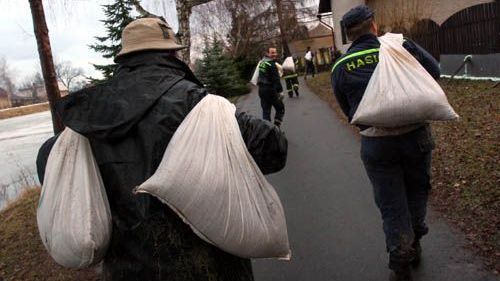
(280, 69)
(255, 76)
(308, 56)
(208, 177)
(289, 64)
(73, 216)
(400, 91)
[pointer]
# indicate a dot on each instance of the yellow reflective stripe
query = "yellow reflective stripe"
(290, 76)
(360, 53)
(264, 65)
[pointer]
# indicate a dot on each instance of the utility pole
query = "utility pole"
(46, 61)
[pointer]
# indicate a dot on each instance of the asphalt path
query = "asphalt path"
(334, 227)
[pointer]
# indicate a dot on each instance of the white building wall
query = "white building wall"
(388, 10)
(339, 8)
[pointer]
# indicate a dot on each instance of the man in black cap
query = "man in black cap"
(396, 160)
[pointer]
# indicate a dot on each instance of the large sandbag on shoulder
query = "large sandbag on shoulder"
(255, 76)
(208, 177)
(400, 91)
(73, 216)
(289, 64)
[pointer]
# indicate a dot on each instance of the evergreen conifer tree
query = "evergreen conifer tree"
(118, 15)
(219, 72)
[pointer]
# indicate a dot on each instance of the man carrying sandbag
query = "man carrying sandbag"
(309, 58)
(291, 77)
(270, 89)
(129, 122)
(397, 160)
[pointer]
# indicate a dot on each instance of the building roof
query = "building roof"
(319, 31)
(319, 37)
(61, 86)
(3, 93)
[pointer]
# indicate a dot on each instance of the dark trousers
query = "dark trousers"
(309, 68)
(399, 170)
(292, 85)
(268, 99)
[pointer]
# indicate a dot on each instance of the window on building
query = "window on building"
(344, 34)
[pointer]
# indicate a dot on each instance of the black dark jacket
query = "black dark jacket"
(129, 123)
(351, 76)
(269, 76)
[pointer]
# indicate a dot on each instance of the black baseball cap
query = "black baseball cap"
(357, 15)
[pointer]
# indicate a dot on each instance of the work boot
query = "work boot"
(399, 263)
(401, 274)
(418, 253)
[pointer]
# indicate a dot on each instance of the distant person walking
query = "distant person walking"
(309, 57)
(270, 89)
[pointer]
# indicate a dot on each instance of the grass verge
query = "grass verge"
(22, 254)
(465, 172)
(23, 110)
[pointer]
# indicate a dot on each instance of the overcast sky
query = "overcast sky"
(72, 28)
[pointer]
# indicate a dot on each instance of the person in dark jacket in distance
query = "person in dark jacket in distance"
(129, 122)
(397, 160)
(270, 88)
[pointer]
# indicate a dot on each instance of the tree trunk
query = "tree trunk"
(140, 9)
(184, 9)
(286, 50)
(183, 14)
(46, 61)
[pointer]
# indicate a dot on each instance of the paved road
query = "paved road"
(334, 227)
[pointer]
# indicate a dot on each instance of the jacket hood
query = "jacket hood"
(110, 110)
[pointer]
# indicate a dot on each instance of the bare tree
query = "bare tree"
(247, 26)
(140, 9)
(281, 23)
(46, 61)
(6, 76)
(6, 82)
(184, 10)
(400, 15)
(67, 73)
(30, 81)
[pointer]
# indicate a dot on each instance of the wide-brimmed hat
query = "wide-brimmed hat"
(148, 34)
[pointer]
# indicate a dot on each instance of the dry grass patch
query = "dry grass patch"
(22, 254)
(466, 165)
(23, 110)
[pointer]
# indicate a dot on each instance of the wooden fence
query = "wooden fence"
(475, 30)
